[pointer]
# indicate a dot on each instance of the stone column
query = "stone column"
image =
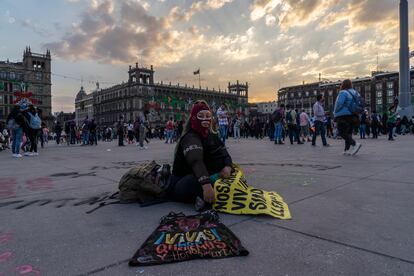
(405, 108)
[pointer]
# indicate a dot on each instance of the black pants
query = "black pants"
(390, 127)
(346, 126)
(120, 140)
(185, 189)
(32, 135)
(293, 131)
(374, 128)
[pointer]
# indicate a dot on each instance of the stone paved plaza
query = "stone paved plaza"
(350, 215)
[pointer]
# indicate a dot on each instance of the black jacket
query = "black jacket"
(199, 156)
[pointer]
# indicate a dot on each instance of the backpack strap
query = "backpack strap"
(115, 200)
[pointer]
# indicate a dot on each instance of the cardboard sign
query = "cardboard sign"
(235, 196)
(180, 238)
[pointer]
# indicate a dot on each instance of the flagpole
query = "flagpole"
(199, 78)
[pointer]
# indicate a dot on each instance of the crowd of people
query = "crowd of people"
(24, 129)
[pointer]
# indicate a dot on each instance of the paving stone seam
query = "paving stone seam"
(338, 187)
(336, 242)
(105, 267)
(35, 195)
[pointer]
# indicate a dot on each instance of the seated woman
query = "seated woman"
(199, 154)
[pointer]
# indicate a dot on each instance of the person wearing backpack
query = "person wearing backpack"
(33, 127)
(346, 112)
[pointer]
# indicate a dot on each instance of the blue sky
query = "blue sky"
(268, 43)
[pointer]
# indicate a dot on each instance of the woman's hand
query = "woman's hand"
(208, 193)
(225, 172)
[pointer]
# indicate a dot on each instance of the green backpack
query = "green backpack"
(146, 184)
(142, 184)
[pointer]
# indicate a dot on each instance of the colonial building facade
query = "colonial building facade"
(379, 91)
(84, 106)
(140, 96)
(27, 82)
(266, 107)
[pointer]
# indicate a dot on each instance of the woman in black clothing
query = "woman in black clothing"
(200, 156)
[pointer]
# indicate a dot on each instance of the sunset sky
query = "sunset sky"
(268, 43)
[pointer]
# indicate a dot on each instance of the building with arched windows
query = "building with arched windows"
(27, 82)
(142, 96)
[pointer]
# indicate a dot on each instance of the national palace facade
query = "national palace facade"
(379, 92)
(140, 95)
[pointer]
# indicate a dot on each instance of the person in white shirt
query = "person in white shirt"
(223, 122)
(304, 125)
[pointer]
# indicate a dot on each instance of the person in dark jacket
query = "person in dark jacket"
(16, 122)
(92, 131)
(67, 132)
(58, 131)
(120, 132)
(200, 157)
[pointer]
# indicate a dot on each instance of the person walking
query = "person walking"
(58, 132)
(319, 114)
(169, 127)
(345, 118)
(120, 132)
(130, 129)
(16, 122)
(363, 125)
(291, 122)
(236, 128)
(92, 131)
(67, 132)
(375, 122)
(391, 121)
(142, 134)
(304, 125)
(277, 118)
(223, 122)
(72, 127)
(85, 131)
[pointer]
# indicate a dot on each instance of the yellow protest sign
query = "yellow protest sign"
(235, 196)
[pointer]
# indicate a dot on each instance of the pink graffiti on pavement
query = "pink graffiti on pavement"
(4, 256)
(5, 237)
(8, 186)
(39, 184)
(25, 269)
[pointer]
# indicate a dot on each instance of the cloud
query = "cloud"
(115, 35)
(260, 8)
(34, 28)
(121, 33)
(311, 55)
(63, 103)
(180, 14)
(290, 13)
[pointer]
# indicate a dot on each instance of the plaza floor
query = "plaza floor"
(351, 215)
